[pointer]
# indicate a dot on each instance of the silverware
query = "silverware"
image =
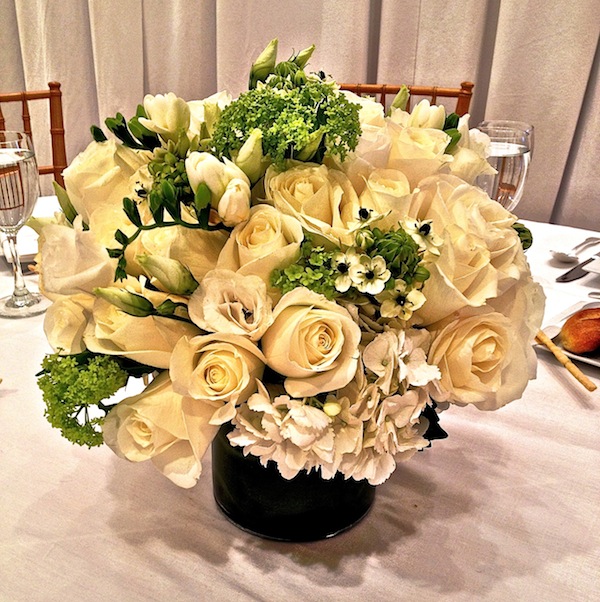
(577, 272)
(571, 256)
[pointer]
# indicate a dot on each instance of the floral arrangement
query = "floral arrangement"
(319, 274)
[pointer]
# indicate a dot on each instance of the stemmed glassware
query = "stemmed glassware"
(511, 145)
(19, 190)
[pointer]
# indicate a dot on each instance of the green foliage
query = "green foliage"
(72, 384)
(313, 270)
(401, 254)
(525, 235)
(287, 117)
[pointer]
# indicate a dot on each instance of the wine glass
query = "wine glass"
(19, 190)
(511, 143)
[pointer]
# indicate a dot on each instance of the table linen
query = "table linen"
(505, 508)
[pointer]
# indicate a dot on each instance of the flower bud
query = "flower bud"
(364, 238)
(425, 115)
(401, 99)
(250, 158)
(171, 274)
(234, 206)
(311, 147)
(303, 56)
(131, 303)
(265, 63)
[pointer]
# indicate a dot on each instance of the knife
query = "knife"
(577, 272)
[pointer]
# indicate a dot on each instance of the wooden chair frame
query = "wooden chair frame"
(463, 94)
(57, 130)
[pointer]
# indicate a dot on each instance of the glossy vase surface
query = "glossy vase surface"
(306, 508)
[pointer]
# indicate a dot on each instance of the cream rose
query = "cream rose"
(152, 426)
(219, 369)
(229, 302)
(73, 261)
(148, 340)
(322, 199)
(388, 193)
(482, 358)
(313, 342)
(65, 322)
(99, 177)
(417, 152)
(269, 240)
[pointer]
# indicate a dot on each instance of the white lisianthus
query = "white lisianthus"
(269, 240)
(313, 342)
(322, 199)
(168, 115)
(229, 302)
(219, 369)
(152, 426)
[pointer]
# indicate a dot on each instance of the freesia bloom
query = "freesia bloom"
(168, 115)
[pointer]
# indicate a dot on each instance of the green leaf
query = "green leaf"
(451, 122)
(454, 138)
(65, 202)
(202, 197)
(132, 212)
(118, 127)
(97, 134)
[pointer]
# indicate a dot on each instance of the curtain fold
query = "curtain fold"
(531, 61)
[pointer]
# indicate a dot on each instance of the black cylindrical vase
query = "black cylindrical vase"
(259, 500)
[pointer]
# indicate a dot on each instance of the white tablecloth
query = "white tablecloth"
(506, 508)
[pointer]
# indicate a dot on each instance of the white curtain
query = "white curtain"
(535, 61)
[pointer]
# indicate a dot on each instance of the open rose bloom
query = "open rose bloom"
(327, 299)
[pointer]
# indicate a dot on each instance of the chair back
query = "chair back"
(57, 131)
(381, 92)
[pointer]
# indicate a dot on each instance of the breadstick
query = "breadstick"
(542, 338)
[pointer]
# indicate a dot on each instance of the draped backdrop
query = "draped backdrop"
(534, 61)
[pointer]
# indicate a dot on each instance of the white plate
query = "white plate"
(553, 330)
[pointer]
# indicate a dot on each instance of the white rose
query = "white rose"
(149, 340)
(73, 261)
(269, 240)
(229, 302)
(482, 359)
(99, 177)
(168, 115)
(417, 152)
(198, 250)
(220, 369)
(322, 199)
(388, 193)
(152, 426)
(313, 342)
(65, 321)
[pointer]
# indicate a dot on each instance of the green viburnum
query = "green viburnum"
(71, 385)
(314, 270)
(289, 118)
